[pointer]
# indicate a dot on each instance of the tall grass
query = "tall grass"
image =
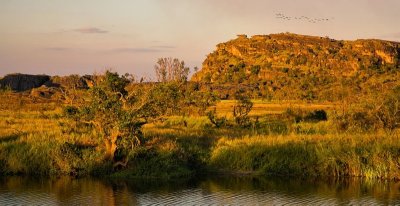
(312, 155)
(39, 141)
(47, 154)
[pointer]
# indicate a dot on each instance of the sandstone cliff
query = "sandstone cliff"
(264, 57)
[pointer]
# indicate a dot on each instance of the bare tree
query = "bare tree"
(169, 69)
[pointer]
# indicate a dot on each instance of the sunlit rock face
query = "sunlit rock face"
(265, 57)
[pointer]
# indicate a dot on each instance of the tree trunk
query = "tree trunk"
(111, 145)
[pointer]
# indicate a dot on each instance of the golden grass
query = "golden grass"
(260, 108)
(36, 132)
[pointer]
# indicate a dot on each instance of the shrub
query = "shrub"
(241, 110)
(216, 121)
(354, 120)
(381, 112)
(299, 115)
(388, 113)
(317, 115)
(70, 111)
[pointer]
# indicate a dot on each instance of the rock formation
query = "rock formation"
(23, 82)
(291, 66)
(263, 57)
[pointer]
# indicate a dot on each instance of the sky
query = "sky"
(59, 37)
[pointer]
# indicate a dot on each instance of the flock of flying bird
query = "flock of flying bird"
(302, 18)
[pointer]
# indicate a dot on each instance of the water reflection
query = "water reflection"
(200, 191)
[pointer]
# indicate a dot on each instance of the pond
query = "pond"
(215, 190)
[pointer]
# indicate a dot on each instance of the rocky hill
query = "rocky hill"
(287, 61)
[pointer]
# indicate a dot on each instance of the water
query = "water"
(204, 191)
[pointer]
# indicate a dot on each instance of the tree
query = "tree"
(70, 87)
(200, 99)
(165, 99)
(116, 114)
(242, 109)
(168, 69)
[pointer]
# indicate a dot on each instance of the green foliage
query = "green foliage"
(178, 98)
(165, 99)
(114, 82)
(199, 99)
(242, 109)
(113, 113)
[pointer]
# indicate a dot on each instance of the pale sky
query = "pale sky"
(60, 37)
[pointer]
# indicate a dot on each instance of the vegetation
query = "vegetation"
(290, 140)
(113, 125)
(370, 156)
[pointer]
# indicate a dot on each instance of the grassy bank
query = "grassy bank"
(371, 156)
(40, 141)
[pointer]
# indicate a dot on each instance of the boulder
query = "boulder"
(43, 91)
(76, 81)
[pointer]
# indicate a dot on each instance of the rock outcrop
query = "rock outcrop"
(43, 91)
(264, 57)
(72, 81)
(23, 82)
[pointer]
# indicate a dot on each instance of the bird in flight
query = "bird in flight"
(302, 18)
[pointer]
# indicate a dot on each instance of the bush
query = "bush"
(316, 116)
(388, 113)
(241, 110)
(381, 112)
(216, 121)
(151, 163)
(70, 111)
(354, 120)
(299, 115)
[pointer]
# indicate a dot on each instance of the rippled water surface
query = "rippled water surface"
(204, 191)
